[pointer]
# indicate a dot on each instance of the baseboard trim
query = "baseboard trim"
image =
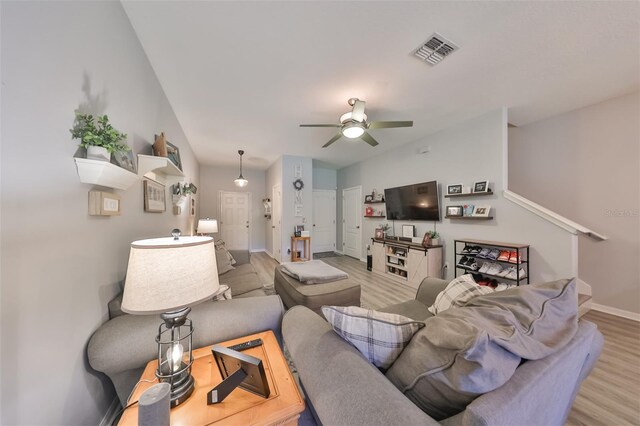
(269, 253)
(112, 412)
(339, 252)
(615, 311)
(257, 251)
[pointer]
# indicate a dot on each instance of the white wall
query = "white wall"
(59, 266)
(324, 178)
(585, 165)
(216, 178)
(471, 151)
(273, 177)
(289, 220)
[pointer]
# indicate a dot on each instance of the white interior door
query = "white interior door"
(234, 219)
(324, 221)
(352, 222)
(276, 220)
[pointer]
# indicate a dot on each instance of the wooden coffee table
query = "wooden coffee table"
(283, 407)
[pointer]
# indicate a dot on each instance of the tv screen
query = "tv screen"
(413, 202)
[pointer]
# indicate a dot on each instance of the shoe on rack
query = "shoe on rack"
(493, 254)
(504, 256)
(485, 267)
(476, 250)
(515, 257)
(506, 271)
(472, 265)
(463, 261)
(467, 249)
(513, 273)
(495, 269)
(483, 253)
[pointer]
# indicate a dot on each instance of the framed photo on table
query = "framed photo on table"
(154, 197)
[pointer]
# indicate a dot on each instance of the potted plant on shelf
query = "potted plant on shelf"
(385, 229)
(435, 237)
(98, 136)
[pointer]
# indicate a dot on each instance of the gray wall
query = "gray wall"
(585, 165)
(216, 178)
(60, 266)
(324, 178)
(289, 220)
(471, 151)
(273, 177)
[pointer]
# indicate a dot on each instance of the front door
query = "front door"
(352, 221)
(234, 219)
(324, 220)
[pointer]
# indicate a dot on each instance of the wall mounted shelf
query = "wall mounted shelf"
(375, 202)
(105, 174)
(377, 216)
(159, 169)
(470, 217)
(471, 194)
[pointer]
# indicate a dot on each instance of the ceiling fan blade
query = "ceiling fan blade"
(320, 125)
(357, 113)
(369, 139)
(332, 140)
(389, 124)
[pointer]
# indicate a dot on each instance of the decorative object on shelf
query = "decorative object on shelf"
(297, 230)
(481, 186)
(408, 231)
(481, 211)
(266, 203)
(297, 171)
(297, 210)
(154, 199)
(368, 198)
(431, 238)
(379, 233)
(124, 159)
(385, 229)
(185, 189)
(160, 145)
(104, 204)
(101, 139)
(455, 211)
(164, 148)
(241, 182)
(454, 189)
(467, 210)
(157, 282)
(207, 226)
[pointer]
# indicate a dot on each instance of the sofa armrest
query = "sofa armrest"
(241, 256)
(124, 345)
(341, 385)
(429, 290)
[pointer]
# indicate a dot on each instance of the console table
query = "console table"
(306, 249)
(405, 261)
(283, 407)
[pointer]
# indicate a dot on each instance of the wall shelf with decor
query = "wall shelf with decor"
(469, 217)
(103, 173)
(159, 169)
(470, 194)
(518, 257)
(374, 202)
(375, 216)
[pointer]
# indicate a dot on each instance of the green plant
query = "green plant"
(433, 234)
(385, 227)
(101, 133)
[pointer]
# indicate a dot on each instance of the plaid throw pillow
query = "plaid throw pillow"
(379, 336)
(457, 293)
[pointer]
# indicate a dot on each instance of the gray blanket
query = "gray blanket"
(313, 272)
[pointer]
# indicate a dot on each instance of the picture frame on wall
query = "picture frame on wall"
(154, 197)
(481, 186)
(455, 211)
(481, 211)
(454, 189)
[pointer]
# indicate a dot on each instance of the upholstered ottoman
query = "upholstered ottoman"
(314, 296)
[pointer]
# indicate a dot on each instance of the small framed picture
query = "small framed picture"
(455, 211)
(173, 154)
(481, 186)
(407, 231)
(124, 159)
(379, 233)
(154, 200)
(368, 198)
(454, 189)
(297, 230)
(481, 211)
(426, 240)
(467, 210)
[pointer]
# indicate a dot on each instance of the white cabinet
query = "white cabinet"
(406, 262)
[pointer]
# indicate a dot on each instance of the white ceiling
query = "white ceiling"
(246, 74)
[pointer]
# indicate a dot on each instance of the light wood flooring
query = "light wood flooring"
(609, 396)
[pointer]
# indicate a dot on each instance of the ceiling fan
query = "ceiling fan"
(353, 124)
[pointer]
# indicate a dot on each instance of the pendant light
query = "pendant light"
(241, 182)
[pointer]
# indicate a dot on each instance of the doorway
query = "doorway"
(352, 222)
(276, 220)
(324, 220)
(235, 208)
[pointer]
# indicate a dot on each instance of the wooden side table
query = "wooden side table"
(306, 249)
(283, 407)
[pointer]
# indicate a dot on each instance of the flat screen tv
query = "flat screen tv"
(413, 202)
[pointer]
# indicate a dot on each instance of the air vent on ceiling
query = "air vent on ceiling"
(435, 49)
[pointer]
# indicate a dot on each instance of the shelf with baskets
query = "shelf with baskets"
(516, 261)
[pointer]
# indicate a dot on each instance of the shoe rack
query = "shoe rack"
(522, 253)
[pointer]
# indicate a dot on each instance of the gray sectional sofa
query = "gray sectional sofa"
(243, 280)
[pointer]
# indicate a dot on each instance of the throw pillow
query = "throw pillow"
(379, 336)
(463, 353)
(222, 260)
(457, 293)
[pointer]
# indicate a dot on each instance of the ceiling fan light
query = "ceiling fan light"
(347, 117)
(352, 131)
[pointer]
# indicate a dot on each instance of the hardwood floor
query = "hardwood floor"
(609, 396)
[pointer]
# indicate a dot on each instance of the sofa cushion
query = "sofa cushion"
(379, 336)
(462, 353)
(458, 292)
(242, 279)
(411, 308)
(222, 260)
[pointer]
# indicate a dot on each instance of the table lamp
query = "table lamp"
(207, 226)
(168, 276)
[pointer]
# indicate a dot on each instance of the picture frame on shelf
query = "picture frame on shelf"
(154, 197)
(192, 207)
(455, 211)
(368, 198)
(467, 210)
(379, 233)
(125, 160)
(454, 189)
(481, 187)
(481, 211)
(426, 240)
(297, 230)
(173, 154)
(407, 231)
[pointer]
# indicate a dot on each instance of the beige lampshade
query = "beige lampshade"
(165, 275)
(207, 226)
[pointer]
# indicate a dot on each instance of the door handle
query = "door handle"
(357, 227)
(314, 224)
(273, 226)
(247, 226)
